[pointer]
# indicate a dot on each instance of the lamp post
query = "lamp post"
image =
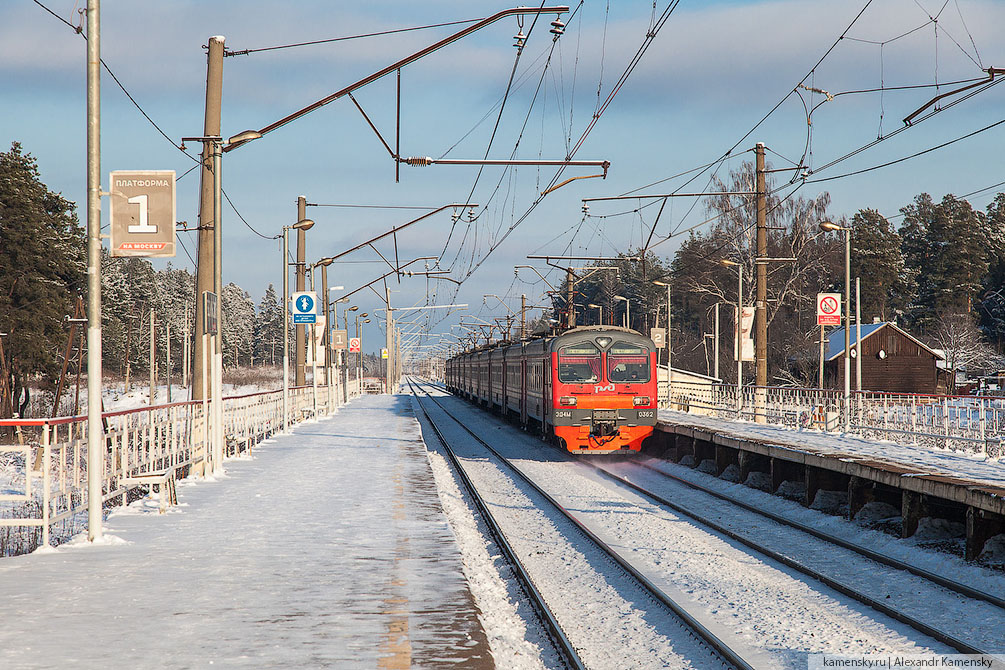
(830, 226)
(325, 336)
(303, 224)
(359, 354)
(600, 313)
(628, 310)
(739, 332)
(669, 350)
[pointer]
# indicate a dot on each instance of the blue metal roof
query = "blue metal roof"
(835, 339)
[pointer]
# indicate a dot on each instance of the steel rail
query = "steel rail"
(707, 636)
(888, 561)
(875, 604)
(562, 643)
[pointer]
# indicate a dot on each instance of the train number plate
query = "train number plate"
(605, 415)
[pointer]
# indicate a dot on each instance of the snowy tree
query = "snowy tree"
(887, 284)
(42, 272)
(238, 324)
(269, 328)
(963, 345)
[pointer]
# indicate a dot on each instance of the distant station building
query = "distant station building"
(892, 360)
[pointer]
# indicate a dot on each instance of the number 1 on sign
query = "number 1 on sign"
(143, 226)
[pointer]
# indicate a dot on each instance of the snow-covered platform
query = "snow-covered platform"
(922, 483)
(326, 548)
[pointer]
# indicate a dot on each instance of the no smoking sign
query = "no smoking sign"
(828, 309)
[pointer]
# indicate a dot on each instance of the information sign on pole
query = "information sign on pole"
(141, 208)
(659, 337)
(383, 353)
(355, 346)
(828, 309)
(304, 306)
(339, 341)
(210, 326)
(746, 340)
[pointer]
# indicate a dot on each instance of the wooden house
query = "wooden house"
(892, 360)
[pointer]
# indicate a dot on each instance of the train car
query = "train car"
(592, 389)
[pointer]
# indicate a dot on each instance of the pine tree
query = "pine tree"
(238, 324)
(42, 271)
(887, 284)
(269, 328)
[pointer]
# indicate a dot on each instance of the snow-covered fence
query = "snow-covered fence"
(959, 423)
(43, 462)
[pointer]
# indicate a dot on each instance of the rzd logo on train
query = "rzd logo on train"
(601, 389)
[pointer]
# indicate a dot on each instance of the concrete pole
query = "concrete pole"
(739, 340)
(153, 364)
(715, 348)
(95, 430)
(286, 333)
(847, 329)
(207, 254)
(301, 350)
(762, 287)
(858, 334)
(218, 289)
(390, 325)
(167, 359)
(326, 335)
(523, 317)
(820, 376)
(669, 348)
(571, 317)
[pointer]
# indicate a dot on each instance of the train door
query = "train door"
(523, 388)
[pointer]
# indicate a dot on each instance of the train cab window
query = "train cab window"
(627, 363)
(579, 364)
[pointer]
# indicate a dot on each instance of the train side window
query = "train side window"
(628, 363)
(579, 364)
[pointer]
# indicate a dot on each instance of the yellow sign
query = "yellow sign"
(383, 353)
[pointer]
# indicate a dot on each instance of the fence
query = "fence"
(958, 423)
(43, 478)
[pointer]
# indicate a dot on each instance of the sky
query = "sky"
(717, 78)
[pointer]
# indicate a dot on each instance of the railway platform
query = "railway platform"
(956, 489)
(326, 548)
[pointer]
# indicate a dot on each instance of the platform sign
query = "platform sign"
(828, 309)
(355, 345)
(316, 352)
(304, 307)
(339, 341)
(746, 340)
(659, 337)
(210, 325)
(141, 208)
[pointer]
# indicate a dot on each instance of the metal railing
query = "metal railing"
(43, 474)
(969, 424)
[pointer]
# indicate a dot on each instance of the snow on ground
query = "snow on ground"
(771, 609)
(327, 548)
(970, 466)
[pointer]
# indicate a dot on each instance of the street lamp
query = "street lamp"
(833, 227)
(359, 354)
(669, 351)
(628, 309)
(303, 224)
(739, 331)
(600, 313)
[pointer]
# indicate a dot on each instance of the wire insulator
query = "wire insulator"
(557, 27)
(418, 161)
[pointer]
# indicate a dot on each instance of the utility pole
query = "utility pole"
(153, 363)
(390, 326)
(95, 430)
(300, 357)
(760, 263)
(571, 318)
(167, 358)
(523, 317)
(206, 266)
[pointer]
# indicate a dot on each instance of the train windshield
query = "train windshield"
(627, 363)
(579, 364)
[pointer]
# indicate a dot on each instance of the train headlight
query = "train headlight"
(567, 401)
(640, 400)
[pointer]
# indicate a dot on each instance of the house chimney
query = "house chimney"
(875, 319)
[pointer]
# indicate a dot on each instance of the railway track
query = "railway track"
(864, 598)
(690, 623)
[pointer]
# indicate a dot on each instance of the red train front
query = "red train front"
(593, 389)
(604, 389)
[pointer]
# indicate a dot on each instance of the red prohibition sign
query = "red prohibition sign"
(829, 305)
